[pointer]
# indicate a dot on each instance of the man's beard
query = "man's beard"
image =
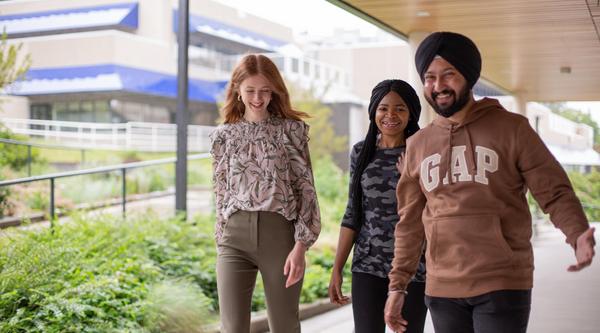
(453, 108)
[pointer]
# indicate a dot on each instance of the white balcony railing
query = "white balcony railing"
(155, 137)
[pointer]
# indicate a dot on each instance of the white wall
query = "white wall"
(14, 107)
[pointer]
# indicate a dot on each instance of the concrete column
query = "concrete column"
(427, 113)
(520, 104)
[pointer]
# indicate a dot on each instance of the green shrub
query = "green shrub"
(331, 184)
(176, 307)
(200, 172)
(38, 201)
(5, 204)
(587, 188)
(15, 156)
(99, 274)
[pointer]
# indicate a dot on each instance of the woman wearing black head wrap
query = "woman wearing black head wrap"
(371, 214)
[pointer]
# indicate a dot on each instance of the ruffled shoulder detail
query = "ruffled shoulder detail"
(296, 131)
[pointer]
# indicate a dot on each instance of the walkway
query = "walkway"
(562, 301)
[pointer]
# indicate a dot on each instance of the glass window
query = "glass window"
(59, 107)
(73, 106)
(306, 68)
(101, 106)
(41, 111)
(295, 65)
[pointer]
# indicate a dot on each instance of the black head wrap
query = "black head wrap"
(365, 156)
(456, 49)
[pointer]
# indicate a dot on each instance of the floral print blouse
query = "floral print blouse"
(265, 166)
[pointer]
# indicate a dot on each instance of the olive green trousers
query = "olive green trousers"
(252, 242)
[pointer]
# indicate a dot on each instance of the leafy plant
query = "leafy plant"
(11, 67)
(98, 275)
(16, 156)
(6, 207)
(176, 307)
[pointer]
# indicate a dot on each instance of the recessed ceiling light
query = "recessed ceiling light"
(565, 69)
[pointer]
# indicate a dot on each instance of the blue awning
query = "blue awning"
(112, 78)
(201, 24)
(123, 16)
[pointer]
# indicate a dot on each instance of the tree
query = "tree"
(323, 140)
(11, 69)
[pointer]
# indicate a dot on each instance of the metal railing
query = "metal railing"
(41, 145)
(106, 169)
(140, 136)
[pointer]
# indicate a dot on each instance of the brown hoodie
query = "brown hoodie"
(477, 222)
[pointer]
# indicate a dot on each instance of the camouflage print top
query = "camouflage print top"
(374, 244)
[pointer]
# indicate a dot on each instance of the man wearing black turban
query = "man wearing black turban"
(459, 52)
(463, 191)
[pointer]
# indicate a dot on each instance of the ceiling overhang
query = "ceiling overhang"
(542, 50)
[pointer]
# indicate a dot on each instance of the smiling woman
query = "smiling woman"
(371, 214)
(255, 93)
(266, 205)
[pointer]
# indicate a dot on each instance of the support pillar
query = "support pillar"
(427, 113)
(520, 104)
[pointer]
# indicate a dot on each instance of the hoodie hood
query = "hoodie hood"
(478, 110)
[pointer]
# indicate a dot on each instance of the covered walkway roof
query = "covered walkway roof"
(541, 50)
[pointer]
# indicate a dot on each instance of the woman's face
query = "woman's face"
(392, 115)
(256, 94)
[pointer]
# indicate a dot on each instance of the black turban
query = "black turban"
(409, 96)
(456, 49)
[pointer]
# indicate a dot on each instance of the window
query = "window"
(41, 111)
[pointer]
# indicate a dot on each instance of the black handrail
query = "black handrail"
(105, 169)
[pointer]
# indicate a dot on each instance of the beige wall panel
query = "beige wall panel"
(28, 6)
(75, 50)
(14, 107)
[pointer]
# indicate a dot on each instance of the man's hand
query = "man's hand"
(295, 264)
(400, 163)
(584, 250)
(335, 289)
(393, 312)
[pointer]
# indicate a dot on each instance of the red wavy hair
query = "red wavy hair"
(255, 64)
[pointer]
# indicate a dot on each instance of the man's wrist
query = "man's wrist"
(397, 291)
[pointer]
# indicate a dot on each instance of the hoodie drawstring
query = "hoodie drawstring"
(470, 151)
(448, 161)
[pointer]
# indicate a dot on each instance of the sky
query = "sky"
(318, 17)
